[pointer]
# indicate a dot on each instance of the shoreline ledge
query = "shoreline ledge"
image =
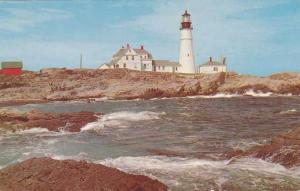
(15, 120)
(56, 84)
(49, 174)
(283, 149)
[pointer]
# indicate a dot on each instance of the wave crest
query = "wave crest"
(119, 119)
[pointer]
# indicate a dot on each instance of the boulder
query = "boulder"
(48, 174)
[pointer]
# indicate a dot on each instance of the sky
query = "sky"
(258, 37)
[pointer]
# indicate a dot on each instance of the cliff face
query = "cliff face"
(49, 174)
(63, 84)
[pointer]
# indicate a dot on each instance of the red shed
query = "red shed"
(11, 68)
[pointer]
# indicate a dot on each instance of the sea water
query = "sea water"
(178, 141)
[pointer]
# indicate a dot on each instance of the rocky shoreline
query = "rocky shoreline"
(119, 84)
(15, 120)
(49, 174)
(284, 149)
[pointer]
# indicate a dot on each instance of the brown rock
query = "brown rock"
(66, 84)
(283, 149)
(72, 122)
(49, 174)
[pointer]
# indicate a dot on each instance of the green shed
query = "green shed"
(11, 64)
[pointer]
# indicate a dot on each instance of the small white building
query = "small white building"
(165, 66)
(139, 59)
(130, 58)
(211, 67)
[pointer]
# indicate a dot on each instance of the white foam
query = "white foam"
(183, 170)
(218, 95)
(288, 111)
(253, 93)
(119, 119)
(35, 130)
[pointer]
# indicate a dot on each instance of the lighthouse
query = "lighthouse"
(186, 55)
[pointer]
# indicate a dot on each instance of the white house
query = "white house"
(211, 66)
(130, 58)
(139, 59)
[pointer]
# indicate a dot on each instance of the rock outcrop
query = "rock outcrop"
(283, 149)
(14, 120)
(48, 174)
(65, 84)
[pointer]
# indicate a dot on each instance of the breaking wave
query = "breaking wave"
(119, 119)
(218, 95)
(191, 173)
(35, 130)
(290, 111)
(257, 94)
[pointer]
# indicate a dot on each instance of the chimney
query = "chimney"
(224, 60)
(142, 47)
(210, 59)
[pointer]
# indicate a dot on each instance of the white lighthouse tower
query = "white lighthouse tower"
(186, 55)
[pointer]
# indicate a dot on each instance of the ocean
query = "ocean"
(178, 141)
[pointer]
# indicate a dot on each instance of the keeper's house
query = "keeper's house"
(212, 66)
(139, 59)
(11, 68)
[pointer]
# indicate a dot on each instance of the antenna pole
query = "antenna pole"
(80, 61)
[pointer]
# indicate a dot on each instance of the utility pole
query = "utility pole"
(80, 61)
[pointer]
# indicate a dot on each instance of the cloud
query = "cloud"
(19, 19)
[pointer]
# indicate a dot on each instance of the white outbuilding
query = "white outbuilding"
(211, 67)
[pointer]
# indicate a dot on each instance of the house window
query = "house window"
(117, 66)
(141, 57)
(188, 54)
(132, 58)
(158, 67)
(124, 65)
(146, 57)
(135, 65)
(163, 67)
(126, 57)
(114, 66)
(145, 66)
(176, 68)
(215, 69)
